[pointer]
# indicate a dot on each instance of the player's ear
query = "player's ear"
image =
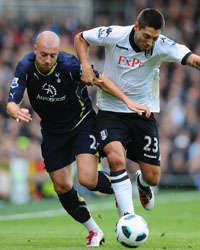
(136, 25)
(35, 48)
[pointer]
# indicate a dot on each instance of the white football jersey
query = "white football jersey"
(136, 73)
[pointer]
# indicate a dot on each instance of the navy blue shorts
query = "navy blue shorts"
(59, 150)
(138, 134)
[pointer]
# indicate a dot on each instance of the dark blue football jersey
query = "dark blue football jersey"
(60, 98)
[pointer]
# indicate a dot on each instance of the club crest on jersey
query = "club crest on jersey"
(104, 134)
(148, 53)
(57, 75)
(50, 89)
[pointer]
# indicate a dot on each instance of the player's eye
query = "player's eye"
(146, 36)
(155, 38)
(43, 55)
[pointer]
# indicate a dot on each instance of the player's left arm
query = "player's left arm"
(110, 87)
(193, 60)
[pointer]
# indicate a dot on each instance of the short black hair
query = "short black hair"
(152, 18)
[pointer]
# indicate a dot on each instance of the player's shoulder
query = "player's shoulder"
(26, 62)
(68, 61)
(164, 44)
(116, 31)
(164, 41)
(121, 29)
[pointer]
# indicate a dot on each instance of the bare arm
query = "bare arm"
(20, 114)
(82, 47)
(193, 61)
(110, 87)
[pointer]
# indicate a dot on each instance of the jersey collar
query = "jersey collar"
(132, 42)
(49, 73)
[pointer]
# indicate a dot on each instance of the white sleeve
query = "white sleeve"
(172, 51)
(101, 36)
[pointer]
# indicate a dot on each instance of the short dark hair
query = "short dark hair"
(152, 18)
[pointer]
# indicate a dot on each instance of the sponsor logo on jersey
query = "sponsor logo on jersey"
(49, 89)
(51, 99)
(14, 83)
(51, 92)
(104, 134)
(102, 33)
(130, 62)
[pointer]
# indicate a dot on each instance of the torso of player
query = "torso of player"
(60, 99)
(136, 73)
(52, 95)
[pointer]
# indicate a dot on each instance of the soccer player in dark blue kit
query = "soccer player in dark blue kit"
(52, 80)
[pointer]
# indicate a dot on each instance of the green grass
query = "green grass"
(174, 224)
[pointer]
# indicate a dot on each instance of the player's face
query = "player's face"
(46, 56)
(145, 38)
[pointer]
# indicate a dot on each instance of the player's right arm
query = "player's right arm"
(88, 76)
(99, 36)
(15, 97)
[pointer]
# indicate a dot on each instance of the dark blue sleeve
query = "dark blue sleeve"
(76, 68)
(18, 84)
(71, 64)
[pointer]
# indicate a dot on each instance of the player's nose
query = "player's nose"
(48, 60)
(149, 43)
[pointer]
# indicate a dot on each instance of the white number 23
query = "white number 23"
(151, 145)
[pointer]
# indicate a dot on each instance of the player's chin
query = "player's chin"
(146, 48)
(45, 68)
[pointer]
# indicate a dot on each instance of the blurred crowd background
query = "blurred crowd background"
(179, 120)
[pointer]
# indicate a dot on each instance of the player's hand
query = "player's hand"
(23, 115)
(88, 76)
(138, 108)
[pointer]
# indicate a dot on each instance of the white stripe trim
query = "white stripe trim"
(82, 119)
(119, 176)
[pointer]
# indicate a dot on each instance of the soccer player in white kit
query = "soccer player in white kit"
(133, 55)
